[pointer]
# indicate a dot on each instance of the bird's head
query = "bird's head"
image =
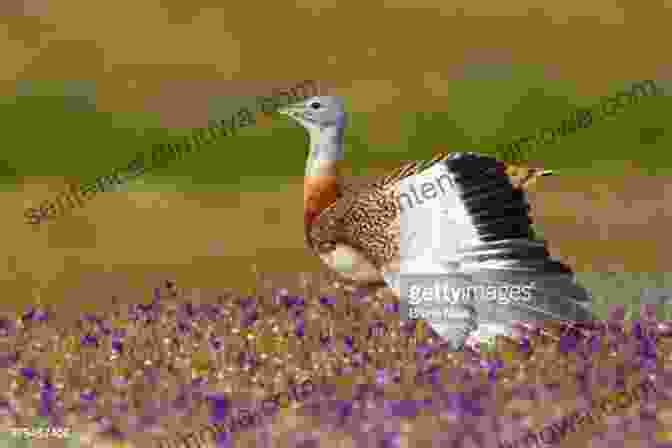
(317, 113)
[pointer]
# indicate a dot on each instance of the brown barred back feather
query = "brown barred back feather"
(367, 218)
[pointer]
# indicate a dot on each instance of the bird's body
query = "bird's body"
(357, 232)
(473, 228)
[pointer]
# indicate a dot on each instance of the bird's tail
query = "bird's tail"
(523, 177)
(493, 194)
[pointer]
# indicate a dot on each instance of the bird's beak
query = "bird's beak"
(290, 111)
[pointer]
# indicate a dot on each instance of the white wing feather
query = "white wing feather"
(439, 237)
(432, 232)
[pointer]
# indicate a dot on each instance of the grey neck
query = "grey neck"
(326, 148)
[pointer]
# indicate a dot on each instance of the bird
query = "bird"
(474, 229)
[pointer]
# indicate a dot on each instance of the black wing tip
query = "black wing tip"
(472, 162)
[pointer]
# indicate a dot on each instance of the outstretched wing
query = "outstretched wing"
(475, 232)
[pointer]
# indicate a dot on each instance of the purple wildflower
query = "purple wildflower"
(247, 302)
(360, 294)
(28, 315)
(88, 317)
(183, 327)
(358, 359)
(647, 348)
(408, 328)
(492, 369)
(117, 345)
(390, 440)
(617, 313)
(181, 403)
(145, 423)
(152, 375)
(6, 408)
(250, 319)
(224, 440)
(119, 407)
(88, 396)
(188, 309)
(144, 309)
(28, 373)
(220, 407)
(349, 341)
(345, 408)
(111, 432)
(391, 307)
(47, 397)
(328, 300)
(568, 343)
(247, 359)
(279, 296)
(300, 327)
(89, 339)
(41, 315)
(423, 351)
(648, 312)
(8, 359)
(377, 329)
(664, 329)
(432, 375)
(197, 384)
(382, 377)
(211, 312)
(216, 343)
(309, 443)
(524, 345)
(458, 403)
(402, 408)
(103, 424)
(292, 301)
(7, 327)
(120, 381)
(132, 312)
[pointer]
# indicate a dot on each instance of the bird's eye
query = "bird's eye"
(315, 105)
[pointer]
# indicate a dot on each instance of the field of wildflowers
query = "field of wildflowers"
(146, 369)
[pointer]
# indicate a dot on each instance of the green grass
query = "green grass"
(51, 128)
(57, 132)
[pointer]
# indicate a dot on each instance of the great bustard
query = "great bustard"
(476, 231)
